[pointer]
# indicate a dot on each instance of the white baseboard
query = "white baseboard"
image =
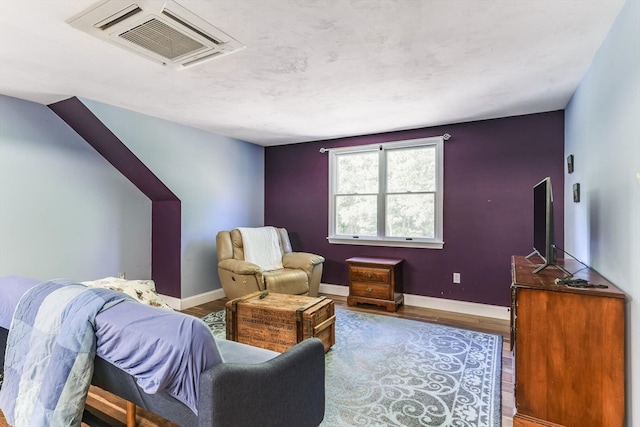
(340, 290)
(464, 307)
(184, 303)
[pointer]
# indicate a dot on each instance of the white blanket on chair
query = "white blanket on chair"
(262, 247)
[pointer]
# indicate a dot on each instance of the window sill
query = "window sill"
(387, 243)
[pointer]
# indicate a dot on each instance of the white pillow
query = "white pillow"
(143, 291)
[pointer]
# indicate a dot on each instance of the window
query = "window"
(387, 194)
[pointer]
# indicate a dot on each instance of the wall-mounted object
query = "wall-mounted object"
(576, 193)
(570, 163)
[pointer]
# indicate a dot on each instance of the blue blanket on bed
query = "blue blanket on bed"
(50, 351)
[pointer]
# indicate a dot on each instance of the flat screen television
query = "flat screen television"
(543, 229)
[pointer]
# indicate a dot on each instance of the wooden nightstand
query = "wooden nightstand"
(375, 281)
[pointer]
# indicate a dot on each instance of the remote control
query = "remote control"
(571, 282)
(578, 283)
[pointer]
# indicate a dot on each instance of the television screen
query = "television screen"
(543, 229)
(543, 220)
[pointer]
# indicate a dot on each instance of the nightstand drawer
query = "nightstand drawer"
(370, 274)
(371, 290)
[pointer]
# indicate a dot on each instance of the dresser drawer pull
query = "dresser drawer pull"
(369, 289)
(368, 275)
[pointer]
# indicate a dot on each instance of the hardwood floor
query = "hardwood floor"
(109, 409)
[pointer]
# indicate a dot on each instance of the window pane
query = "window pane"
(411, 169)
(357, 173)
(356, 215)
(410, 215)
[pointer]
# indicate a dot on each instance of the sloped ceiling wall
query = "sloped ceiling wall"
(166, 207)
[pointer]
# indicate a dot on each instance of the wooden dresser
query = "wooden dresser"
(568, 348)
(375, 281)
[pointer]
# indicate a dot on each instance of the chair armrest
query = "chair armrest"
(302, 260)
(238, 266)
(288, 390)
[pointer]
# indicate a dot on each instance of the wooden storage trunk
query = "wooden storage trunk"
(279, 321)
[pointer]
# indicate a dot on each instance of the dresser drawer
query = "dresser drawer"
(371, 290)
(370, 274)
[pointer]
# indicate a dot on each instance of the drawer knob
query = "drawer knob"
(369, 275)
(369, 289)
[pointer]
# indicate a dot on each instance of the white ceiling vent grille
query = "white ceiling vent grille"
(162, 31)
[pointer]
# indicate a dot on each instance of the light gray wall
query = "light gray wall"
(219, 180)
(64, 211)
(602, 131)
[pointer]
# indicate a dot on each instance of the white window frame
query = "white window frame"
(436, 242)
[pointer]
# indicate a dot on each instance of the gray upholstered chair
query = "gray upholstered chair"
(299, 275)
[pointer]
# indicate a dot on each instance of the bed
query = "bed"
(169, 363)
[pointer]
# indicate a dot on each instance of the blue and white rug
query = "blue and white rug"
(387, 371)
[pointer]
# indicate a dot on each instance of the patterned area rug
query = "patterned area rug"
(216, 322)
(386, 371)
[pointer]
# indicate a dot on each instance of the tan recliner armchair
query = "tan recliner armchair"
(300, 276)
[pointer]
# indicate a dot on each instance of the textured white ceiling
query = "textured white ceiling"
(321, 69)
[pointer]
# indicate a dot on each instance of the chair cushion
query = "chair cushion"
(287, 281)
(235, 352)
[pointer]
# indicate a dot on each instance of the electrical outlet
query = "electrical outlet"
(456, 277)
(121, 275)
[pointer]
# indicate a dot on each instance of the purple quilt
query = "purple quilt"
(163, 350)
(50, 351)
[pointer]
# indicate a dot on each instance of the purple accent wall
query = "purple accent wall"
(165, 206)
(166, 244)
(490, 169)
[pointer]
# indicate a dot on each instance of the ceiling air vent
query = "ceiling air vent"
(162, 31)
